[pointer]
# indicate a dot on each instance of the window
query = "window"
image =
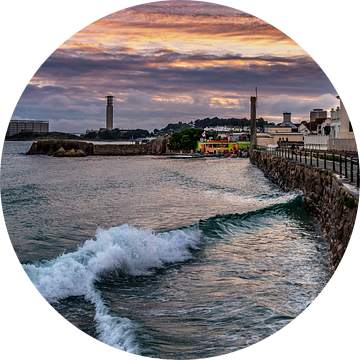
(350, 127)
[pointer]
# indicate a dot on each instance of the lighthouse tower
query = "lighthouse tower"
(109, 112)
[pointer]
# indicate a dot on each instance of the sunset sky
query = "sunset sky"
(174, 61)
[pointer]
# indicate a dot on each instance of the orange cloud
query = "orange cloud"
(187, 26)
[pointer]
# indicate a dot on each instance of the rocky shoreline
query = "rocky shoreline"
(327, 196)
(70, 148)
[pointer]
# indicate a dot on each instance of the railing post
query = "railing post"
(292, 154)
(300, 155)
(346, 172)
(325, 161)
(352, 170)
(317, 159)
(311, 155)
(305, 158)
(333, 156)
(340, 164)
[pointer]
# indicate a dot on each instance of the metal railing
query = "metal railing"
(345, 166)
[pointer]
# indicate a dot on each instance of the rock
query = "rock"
(52, 147)
(60, 152)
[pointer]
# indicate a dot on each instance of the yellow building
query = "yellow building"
(272, 138)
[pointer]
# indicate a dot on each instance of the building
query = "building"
(221, 131)
(304, 128)
(318, 114)
(280, 136)
(109, 112)
(22, 126)
(345, 138)
(316, 142)
(238, 137)
(287, 121)
(346, 130)
(144, 140)
(335, 122)
(220, 146)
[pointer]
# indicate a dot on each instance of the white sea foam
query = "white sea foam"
(134, 252)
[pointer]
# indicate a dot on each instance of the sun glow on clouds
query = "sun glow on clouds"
(179, 60)
(187, 27)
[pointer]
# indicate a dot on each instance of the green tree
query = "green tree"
(187, 139)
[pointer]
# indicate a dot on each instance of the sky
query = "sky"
(166, 62)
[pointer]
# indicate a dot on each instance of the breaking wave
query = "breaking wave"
(134, 252)
(125, 248)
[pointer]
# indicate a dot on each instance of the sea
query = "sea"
(166, 257)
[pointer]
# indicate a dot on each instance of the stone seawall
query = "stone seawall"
(330, 199)
(81, 148)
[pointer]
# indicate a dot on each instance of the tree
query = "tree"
(187, 139)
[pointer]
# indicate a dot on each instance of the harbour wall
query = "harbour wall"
(328, 197)
(65, 148)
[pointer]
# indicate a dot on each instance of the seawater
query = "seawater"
(163, 257)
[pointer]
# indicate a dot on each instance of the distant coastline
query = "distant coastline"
(29, 136)
(60, 136)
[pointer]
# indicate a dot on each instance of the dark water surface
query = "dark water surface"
(163, 257)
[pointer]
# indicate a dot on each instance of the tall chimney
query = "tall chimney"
(253, 141)
(109, 112)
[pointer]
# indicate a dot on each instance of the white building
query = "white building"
(335, 122)
(316, 142)
(346, 131)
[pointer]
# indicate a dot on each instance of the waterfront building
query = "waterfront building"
(220, 146)
(27, 126)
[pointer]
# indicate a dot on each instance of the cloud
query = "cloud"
(57, 102)
(74, 126)
(136, 97)
(172, 61)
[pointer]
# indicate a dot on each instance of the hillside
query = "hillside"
(28, 136)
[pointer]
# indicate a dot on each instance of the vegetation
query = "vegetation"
(232, 122)
(201, 124)
(349, 202)
(187, 139)
(116, 134)
(30, 136)
(173, 128)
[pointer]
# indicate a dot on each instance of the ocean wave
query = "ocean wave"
(134, 252)
(291, 204)
(125, 248)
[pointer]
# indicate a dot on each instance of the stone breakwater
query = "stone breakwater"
(327, 197)
(69, 148)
